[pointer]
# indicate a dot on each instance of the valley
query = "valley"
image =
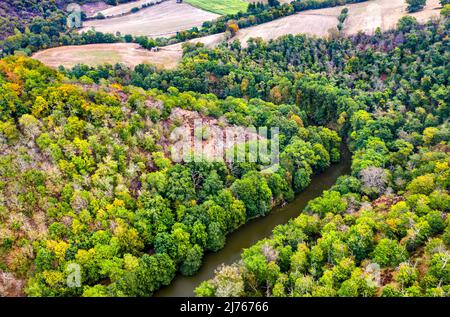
(291, 150)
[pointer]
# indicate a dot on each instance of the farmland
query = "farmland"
(364, 17)
(164, 19)
(97, 54)
(220, 6)
(123, 8)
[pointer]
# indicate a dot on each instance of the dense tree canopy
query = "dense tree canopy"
(382, 230)
(86, 176)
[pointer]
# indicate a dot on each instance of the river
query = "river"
(255, 230)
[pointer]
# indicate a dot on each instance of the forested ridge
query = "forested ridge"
(406, 66)
(86, 176)
(382, 230)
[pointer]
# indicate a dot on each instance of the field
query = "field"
(365, 16)
(362, 17)
(97, 54)
(266, 1)
(369, 15)
(124, 8)
(164, 19)
(91, 9)
(220, 6)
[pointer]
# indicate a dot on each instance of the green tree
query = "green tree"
(216, 237)
(330, 201)
(193, 261)
(389, 253)
(253, 190)
(180, 186)
(415, 5)
(302, 178)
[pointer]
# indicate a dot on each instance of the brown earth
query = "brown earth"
(164, 19)
(96, 54)
(218, 135)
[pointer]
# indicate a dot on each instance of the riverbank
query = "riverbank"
(256, 230)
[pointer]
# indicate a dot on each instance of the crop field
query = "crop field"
(220, 6)
(97, 54)
(365, 17)
(164, 19)
(125, 7)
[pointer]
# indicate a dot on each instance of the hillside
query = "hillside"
(92, 182)
(164, 19)
(365, 17)
(234, 159)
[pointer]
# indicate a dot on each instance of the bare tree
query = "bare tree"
(374, 180)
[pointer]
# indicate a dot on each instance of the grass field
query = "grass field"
(266, 1)
(220, 6)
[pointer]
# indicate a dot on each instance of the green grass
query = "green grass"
(220, 6)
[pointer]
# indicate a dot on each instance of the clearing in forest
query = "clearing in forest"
(164, 19)
(220, 6)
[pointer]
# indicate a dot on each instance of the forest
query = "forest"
(90, 160)
(86, 175)
(383, 230)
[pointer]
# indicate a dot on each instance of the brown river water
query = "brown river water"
(255, 230)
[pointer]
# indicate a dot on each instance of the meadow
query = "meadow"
(220, 6)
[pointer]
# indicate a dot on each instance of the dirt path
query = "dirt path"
(164, 19)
